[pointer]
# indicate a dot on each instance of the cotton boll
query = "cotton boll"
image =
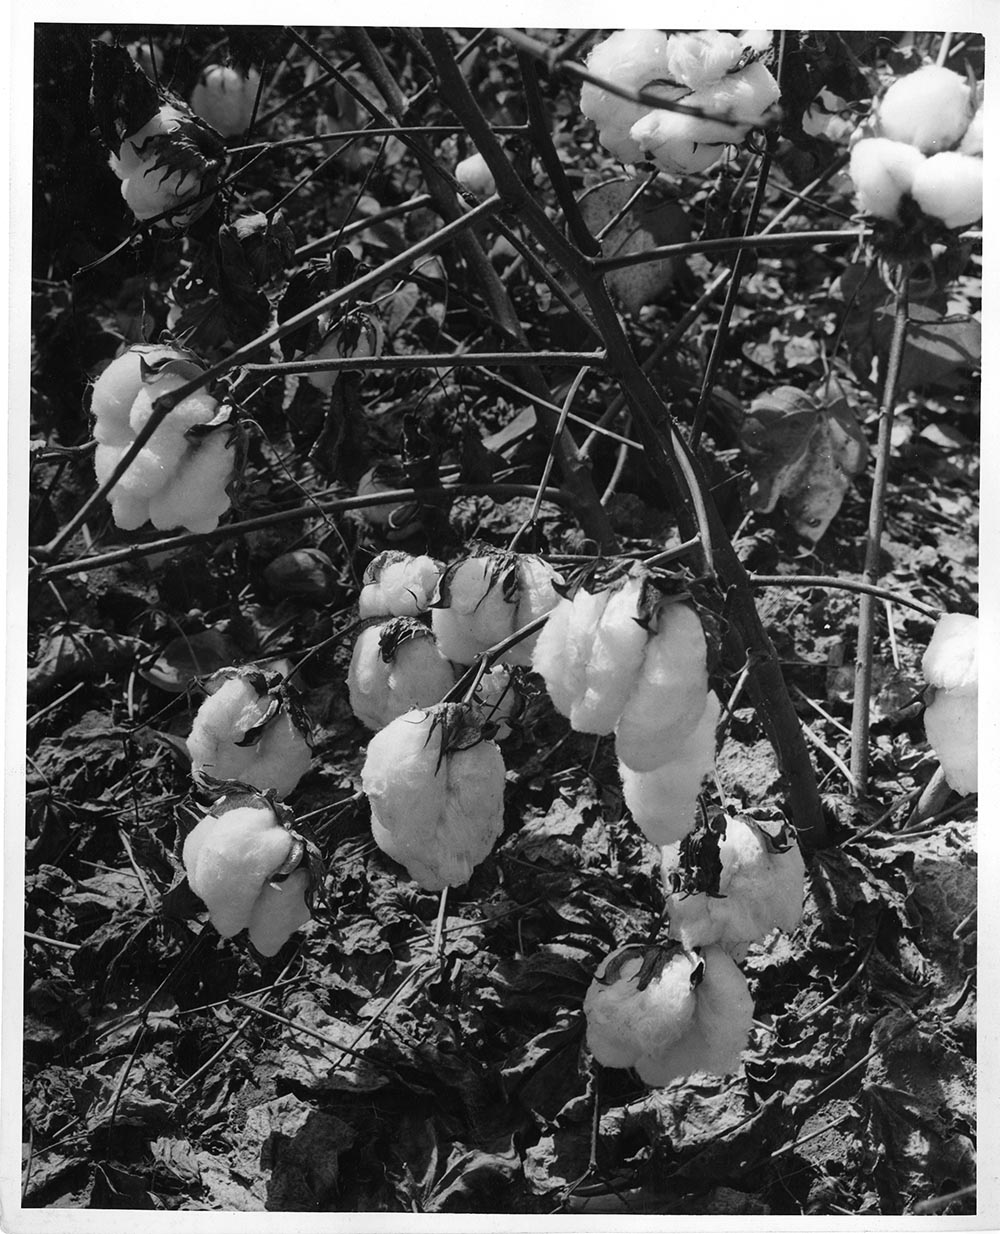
(663, 802)
(224, 97)
(825, 118)
(398, 585)
(718, 1032)
(883, 171)
(279, 911)
(761, 889)
(562, 651)
(929, 109)
(115, 391)
(536, 596)
(223, 719)
(474, 174)
(394, 668)
(701, 58)
(972, 142)
(129, 513)
(283, 756)
(624, 1022)
(163, 165)
(670, 694)
(615, 658)
(949, 187)
(437, 809)
(951, 661)
(229, 858)
(951, 724)
(478, 614)
(497, 699)
(194, 495)
(631, 59)
(677, 143)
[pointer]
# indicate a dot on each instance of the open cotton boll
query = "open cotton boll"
(563, 648)
(677, 143)
(668, 1012)
(670, 694)
(196, 495)
(630, 59)
(972, 142)
(129, 513)
(398, 585)
(761, 888)
(615, 658)
(663, 802)
(395, 667)
(478, 613)
(115, 391)
(474, 174)
(436, 798)
(228, 860)
(701, 58)
(279, 911)
(536, 596)
(718, 1033)
(930, 109)
(883, 171)
(951, 661)
(949, 187)
(165, 164)
(951, 724)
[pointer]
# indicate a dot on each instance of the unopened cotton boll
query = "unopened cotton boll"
(883, 171)
(229, 858)
(930, 109)
(436, 794)
(761, 887)
(224, 97)
(398, 585)
(474, 174)
(630, 59)
(395, 667)
(670, 694)
(663, 802)
(668, 1012)
(949, 187)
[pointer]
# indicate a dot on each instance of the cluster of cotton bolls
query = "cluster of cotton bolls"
(244, 859)
(181, 475)
(633, 661)
(433, 772)
(923, 144)
(719, 74)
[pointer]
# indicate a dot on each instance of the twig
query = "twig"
(728, 244)
(845, 584)
(370, 220)
(864, 660)
(832, 755)
(444, 360)
(52, 942)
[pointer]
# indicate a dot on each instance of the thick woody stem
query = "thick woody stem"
(864, 659)
(676, 468)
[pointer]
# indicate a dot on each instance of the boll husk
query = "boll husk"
(245, 731)
(751, 883)
(396, 666)
(231, 859)
(707, 69)
(949, 187)
(181, 476)
(590, 653)
(668, 1012)
(436, 793)
(883, 171)
(670, 693)
(950, 666)
(664, 802)
(166, 164)
(488, 596)
(224, 98)
(398, 585)
(930, 109)
(474, 174)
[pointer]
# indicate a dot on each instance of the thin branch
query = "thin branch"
(845, 584)
(445, 360)
(353, 229)
(726, 244)
(864, 658)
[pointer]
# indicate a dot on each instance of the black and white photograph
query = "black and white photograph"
(494, 624)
